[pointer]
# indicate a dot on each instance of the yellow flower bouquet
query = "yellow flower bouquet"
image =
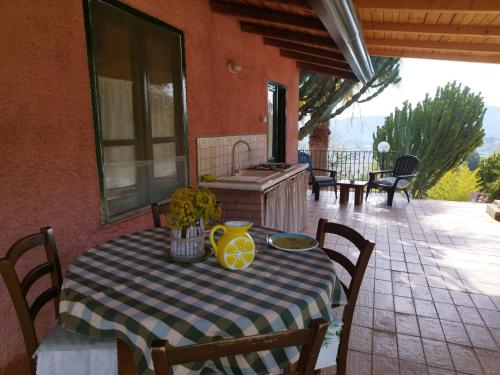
(189, 210)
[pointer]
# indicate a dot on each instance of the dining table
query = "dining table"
(127, 289)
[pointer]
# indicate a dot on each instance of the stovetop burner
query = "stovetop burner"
(272, 166)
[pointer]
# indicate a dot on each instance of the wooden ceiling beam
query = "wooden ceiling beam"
(431, 45)
(328, 71)
(433, 55)
(442, 6)
(291, 46)
(284, 34)
(268, 15)
(301, 4)
(315, 60)
(418, 28)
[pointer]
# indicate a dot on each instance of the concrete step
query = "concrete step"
(494, 211)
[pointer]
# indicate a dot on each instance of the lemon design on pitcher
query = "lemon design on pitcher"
(235, 249)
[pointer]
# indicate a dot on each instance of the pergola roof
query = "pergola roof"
(464, 30)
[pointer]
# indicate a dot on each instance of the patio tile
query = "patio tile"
(454, 332)
(470, 315)
(385, 366)
(407, 324)
(489, 360)
(421, 292)
(425, 308)
(360, 339)
(447, 311)
(400, 277)
(383, 274)
(431, 270)
(400, 289)
(480, 337)
(414, 268)
(416, 279)
(465, 359)
(412, 368)
(384, 320)
(404, 305)
(436, 281)
(441, 295)
(491, 318)
(496, 335)
(436, 353)
(359, 363)
(461, 298)
(439, 371)
(382, 263)
(363, 316)
(483, 302)
(383, 286)
(410, 348)
(398, 266)
(365, 298)
(384, 343)
(430, 328)
(384, 301)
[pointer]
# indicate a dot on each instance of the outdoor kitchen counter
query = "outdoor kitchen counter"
(278, 202)
(265, 184)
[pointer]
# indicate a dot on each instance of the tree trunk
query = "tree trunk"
(318, 145)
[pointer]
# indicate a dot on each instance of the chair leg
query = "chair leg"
(335, 187)
(316, 193)
(407, 195)
(390, 197)
(367, 192)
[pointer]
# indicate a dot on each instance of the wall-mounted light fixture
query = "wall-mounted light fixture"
(234, 67)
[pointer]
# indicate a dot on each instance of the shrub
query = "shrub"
(455, 185)
(489, 175)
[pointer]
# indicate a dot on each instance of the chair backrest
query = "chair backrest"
(165, 355)
(304, 158)
(158, 209)
(356, 271)
(18, 289)
(406, 164)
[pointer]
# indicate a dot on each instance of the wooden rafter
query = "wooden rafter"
(443, 6)
(325, 70)
(264, 14)
(374, 51)
(284, 34)
(291, 46)
(419, 28)
(431, 45)
(315, 60)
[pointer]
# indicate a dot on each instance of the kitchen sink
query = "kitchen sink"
(248, 175)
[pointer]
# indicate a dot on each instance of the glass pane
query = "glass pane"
(270, 122)
(114, 68)
(164, 160)
(119, 169)
(162, 67)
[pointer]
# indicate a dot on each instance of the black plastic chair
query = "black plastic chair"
(318, 182)
(404, 169)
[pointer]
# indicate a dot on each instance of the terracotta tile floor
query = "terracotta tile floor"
(430, 300)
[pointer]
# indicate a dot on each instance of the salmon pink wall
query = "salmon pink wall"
(48, 168)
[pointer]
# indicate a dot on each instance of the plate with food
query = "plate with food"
(292, 242)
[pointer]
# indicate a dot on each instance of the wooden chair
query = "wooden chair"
(158, 209)
(356, 271)
(318, 182)
(404, 169)
(18, 290)
(165, 355)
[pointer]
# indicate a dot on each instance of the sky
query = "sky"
(421, 76)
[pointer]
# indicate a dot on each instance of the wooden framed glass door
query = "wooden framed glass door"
(276, 122)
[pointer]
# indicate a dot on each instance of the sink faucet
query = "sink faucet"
(233, 169)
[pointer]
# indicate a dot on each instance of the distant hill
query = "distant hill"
(356, 133)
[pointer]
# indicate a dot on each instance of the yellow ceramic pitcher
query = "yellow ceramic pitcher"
(235, 249)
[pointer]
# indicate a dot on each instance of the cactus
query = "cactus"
(440, 131)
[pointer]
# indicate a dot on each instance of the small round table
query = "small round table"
(125, 288)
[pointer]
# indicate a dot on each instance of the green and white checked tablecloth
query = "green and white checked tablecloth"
(125, 288)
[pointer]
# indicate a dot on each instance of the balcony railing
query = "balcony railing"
(351, 164)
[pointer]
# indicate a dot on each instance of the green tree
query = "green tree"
(489, 175)
(322, 97)
(455, 185)
(473, 161)
(441, 131)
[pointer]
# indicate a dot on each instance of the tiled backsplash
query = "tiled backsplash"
(214, 153)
